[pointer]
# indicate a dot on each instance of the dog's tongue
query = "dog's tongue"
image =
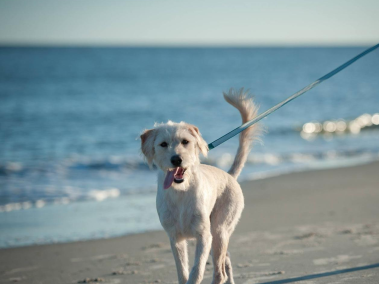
(171, 175)
(169, 179)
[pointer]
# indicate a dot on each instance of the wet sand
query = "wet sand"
(313, 227)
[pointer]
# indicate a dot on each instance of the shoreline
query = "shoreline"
(293, 225)
(63, 211)
(115, 208)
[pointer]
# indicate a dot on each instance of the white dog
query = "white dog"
(196, 200)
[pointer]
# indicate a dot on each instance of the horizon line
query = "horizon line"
(187, 45)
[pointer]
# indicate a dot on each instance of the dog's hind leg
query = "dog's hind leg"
(228, 268)
(223, 221)
(179, 250)
(219, 251)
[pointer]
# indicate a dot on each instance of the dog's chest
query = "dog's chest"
(179, 213)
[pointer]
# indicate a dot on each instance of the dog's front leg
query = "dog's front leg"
(203, 247)
(179, 250)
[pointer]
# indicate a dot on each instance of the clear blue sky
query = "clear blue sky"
(208, 22)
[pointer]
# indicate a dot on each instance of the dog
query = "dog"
(195, 200)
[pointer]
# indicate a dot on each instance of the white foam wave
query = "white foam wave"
(101, 195)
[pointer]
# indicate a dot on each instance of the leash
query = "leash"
(241, 128)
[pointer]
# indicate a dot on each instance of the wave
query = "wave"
(96, 195)
(83, 164)
(114, 177)
(271, 159)
(225, 160)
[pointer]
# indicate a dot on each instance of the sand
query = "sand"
(313, 227)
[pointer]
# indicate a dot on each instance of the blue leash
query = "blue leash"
(294, 96)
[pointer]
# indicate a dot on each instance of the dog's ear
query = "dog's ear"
(203, 146)
(147, 145)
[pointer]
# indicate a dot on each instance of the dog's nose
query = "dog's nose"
(176, 160)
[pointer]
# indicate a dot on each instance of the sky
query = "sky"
(189, 23)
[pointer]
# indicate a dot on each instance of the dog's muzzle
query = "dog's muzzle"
(175, 175)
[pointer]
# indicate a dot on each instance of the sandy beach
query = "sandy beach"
(308, 227)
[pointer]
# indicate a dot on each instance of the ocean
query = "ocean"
(70, 119)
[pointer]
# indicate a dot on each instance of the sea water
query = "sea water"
(70, 119)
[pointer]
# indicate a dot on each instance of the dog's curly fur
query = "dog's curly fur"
(208, 202)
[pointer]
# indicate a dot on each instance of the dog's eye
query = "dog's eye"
(185, 142)
(163, 144)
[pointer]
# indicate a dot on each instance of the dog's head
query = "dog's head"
(174, 148)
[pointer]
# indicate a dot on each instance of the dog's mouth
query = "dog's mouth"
(174, 175)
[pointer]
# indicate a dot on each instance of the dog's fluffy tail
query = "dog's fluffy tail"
(242, 101)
